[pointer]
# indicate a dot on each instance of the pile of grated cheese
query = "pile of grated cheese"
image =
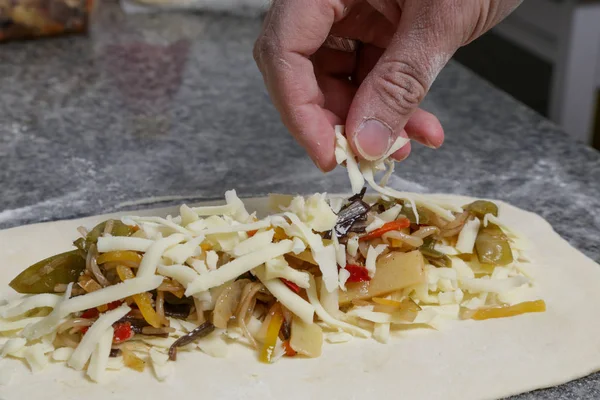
(238, 243)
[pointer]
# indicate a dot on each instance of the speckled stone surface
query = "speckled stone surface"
(173, 105)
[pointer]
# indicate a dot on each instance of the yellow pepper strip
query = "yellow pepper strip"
(266, 354)
(406, 304)
(510, 311)
(305, 256)
(143, 300)
(131, 258)
(102, 308)
(206, 246)
(132, 361)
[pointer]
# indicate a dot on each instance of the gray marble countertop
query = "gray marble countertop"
(173, 105)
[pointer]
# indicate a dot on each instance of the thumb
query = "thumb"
(395, 87)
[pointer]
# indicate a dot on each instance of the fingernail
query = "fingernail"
(373, 139)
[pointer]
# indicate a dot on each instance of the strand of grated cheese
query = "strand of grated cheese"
(160, 221)
(106, 295)
(181, 273)
(296, 304)
(94, 335)
(30, 303)
(467, 236)
(381, 332)
(6, 326)
(367, 171)
(343, 152)
(493, 285)
(181, 252)
(253, 226)
(279, 268)
(100, 356)
(325, 256)
(35, 356)
(239, 209)
(256, 242)
(372, 254)
(328, 319)
(238, 267)
(154, 253)
(115, 243)
(12, 346)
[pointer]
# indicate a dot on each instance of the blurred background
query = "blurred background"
(546, 54)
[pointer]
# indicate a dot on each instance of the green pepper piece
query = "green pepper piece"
(493, 246)
(119, 229)
(387, 204)
(436, 258)
(481, 207)
(41, 277)
(407, 210)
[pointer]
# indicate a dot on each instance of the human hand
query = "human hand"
(376, 90)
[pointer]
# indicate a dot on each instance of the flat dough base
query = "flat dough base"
(466, 360)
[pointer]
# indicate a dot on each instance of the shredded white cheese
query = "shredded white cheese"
(256, 242)
(391, 214)
(372, 254)
(100, 356)
(212, 258)
(12, 346)
(29, 303)
(343, 152)
(287, 297)
(45, 325)
(237, 267)
(35, 355)
(467, 236)
(376, 224)
(352, 246)
(181, 273)
(160, 364)
(493, 285)
(381, 332)
(62, 353)
(114, 243)
(181, 252)
(6, 326)
(343, 277)
(279, 268)
(154, 253)
(328, 319)
(94, 335)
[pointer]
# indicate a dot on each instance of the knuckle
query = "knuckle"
(267, 46)
(402, 86)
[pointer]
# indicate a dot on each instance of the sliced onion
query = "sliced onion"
(454, 227)
(92, 266)
(403, 237)
(227, 303)
(426, 231)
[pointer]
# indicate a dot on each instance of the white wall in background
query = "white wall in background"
(567, 34)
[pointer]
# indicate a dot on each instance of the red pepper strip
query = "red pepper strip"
(252, 233)
(114, 304)
(291, 285)
(123, 332)
(390, 226)
(91, 313)
(357, 273)
(288, 349)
